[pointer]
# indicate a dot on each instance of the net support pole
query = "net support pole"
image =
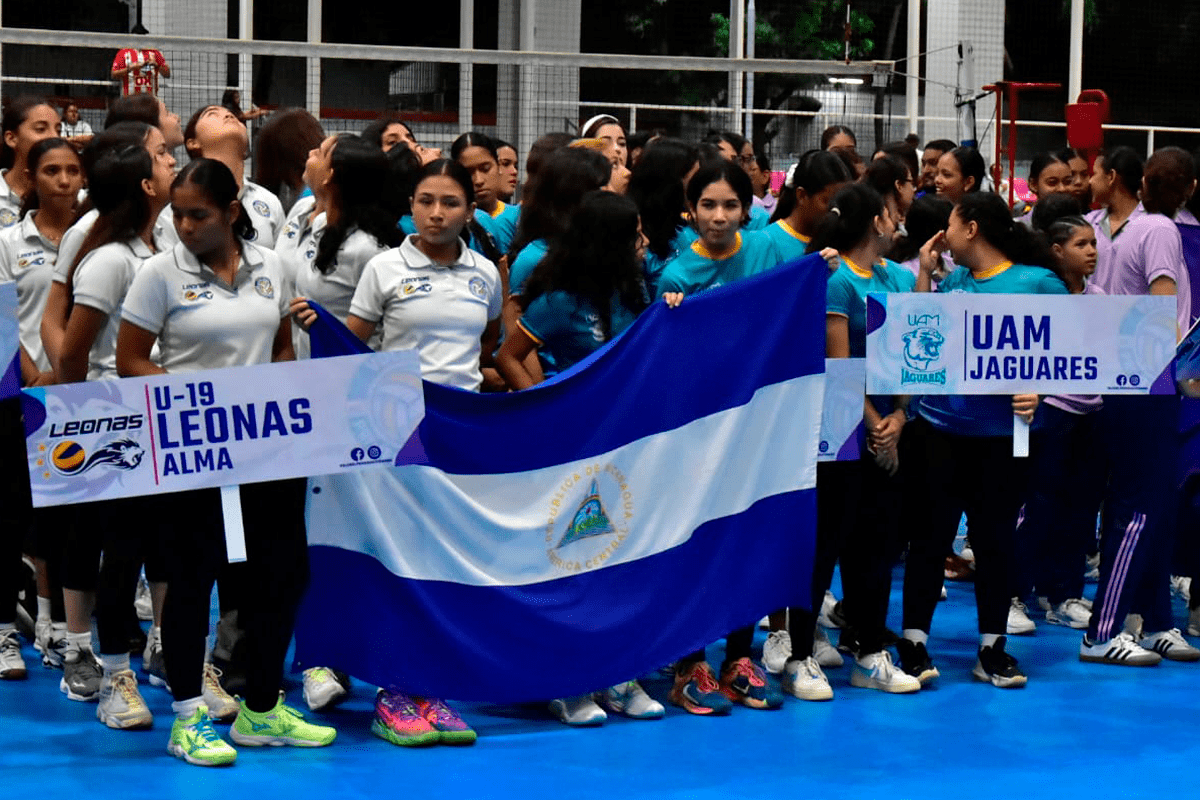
(245, 60)
(528, 77)
(466, 40)
(737, 50)
(1075, 73)
(312, 73)
(751, 23)
(912, 90)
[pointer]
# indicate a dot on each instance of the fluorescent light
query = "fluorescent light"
(850, 81)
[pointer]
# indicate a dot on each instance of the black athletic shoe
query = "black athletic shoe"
(914, 659)
(848, 642)
(998, 668)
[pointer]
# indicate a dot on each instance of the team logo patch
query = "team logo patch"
(69, 458)
(264, 288)
(30, 261)
(923, 350)
(262, 208)
(478, 287)
(589, 518)
(7, 217)
(409, 289)
(193, 295)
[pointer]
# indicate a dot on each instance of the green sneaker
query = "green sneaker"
(281, 725)
(196, 741)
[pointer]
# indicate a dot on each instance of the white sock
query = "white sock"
(185, 708)
(915, 635)
(154, 634)
(77, 642)
(43, 609)
(114, 664)
(988, 639)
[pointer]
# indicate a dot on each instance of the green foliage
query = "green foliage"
(816, 30)
(1091, 14)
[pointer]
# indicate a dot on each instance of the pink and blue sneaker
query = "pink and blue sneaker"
(400, 721)
(449, 725)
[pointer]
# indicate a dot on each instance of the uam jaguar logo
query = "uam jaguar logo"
(923, 350)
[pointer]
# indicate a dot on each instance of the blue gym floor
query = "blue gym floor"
(1076, 731)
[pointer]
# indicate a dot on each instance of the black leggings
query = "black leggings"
(275, 574)
(15, 500)
(977, 474)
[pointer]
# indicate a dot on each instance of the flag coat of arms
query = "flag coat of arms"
(555, 541)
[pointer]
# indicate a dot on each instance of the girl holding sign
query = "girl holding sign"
(234, 315)
(854, 497)
(450, 314)
(963, 446)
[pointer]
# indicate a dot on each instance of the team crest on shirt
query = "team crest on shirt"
(291, 229)
(923, 350)
(7, 217)
(262, 208)
(410, 289)
(34, 258)
(478, 288)
(265, 288)
(590, 517)
(195, 292)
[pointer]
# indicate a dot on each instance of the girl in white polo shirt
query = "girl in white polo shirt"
(437, 296)
(215, 300)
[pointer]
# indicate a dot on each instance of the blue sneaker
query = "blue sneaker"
(744, 682)
(697, 692)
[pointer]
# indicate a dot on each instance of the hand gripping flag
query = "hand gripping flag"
(555, 541)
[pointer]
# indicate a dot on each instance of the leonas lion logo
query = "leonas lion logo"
(585, 528)
(69, 458)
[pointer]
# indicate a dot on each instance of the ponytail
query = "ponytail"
(849, 219)
(1018, 243)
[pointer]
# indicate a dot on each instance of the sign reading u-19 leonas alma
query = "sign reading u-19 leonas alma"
(222, 427)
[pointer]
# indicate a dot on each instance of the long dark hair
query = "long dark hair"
(568, 174)
(140, 107)
(403, 165)
(31, 201)
(885, 172)
(1018, 243)
(373, 133)
(656, 187)
(849, 219)
(832, 131)
(281, 147)
(815, 170)
(971, 165)
(717, 171)
(358, 196)
(1128, 164)
(218, 184)
(595, 258)
(15, 113)
(115, 188)
(926, 216)
(474, 139)
(1167, 180)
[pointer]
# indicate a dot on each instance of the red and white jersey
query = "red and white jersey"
(144, 66)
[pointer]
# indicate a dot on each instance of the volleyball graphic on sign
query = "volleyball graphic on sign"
(68, 457)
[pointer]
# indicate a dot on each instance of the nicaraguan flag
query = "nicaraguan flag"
(559, 540)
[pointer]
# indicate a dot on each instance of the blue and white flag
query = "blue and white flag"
(559, 540)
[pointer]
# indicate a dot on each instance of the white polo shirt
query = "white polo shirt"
(164, 235)
(441, 311)
(28, 258)
(336, 289)
(101, 281)
(10, 203)
(265, 210)
(201, 321)
(294, 239)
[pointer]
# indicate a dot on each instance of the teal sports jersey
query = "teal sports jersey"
(567, 328)
(846, 295)
(407, 225)
(790, 242)
(985, 415)
(501, 226)
(696, 269)
(653, 266)
(525, 263)
(759, 219)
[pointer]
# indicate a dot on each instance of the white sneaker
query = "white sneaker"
(1193, 628)
(876, 671)
(824, 619)
(221, 707)
(1019, 622)
(776, 651)
(51, 642)
(1121, 650)
(765, 622)
(967, 554)
(1073, 613)
(630, 699)
(804, 679)
(12, 666)
(122, 706)
(322, 689)
(141, 601)
(579, 711)
(1181, 587)
(1170, 645)
(824, 652)
(945, 594)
